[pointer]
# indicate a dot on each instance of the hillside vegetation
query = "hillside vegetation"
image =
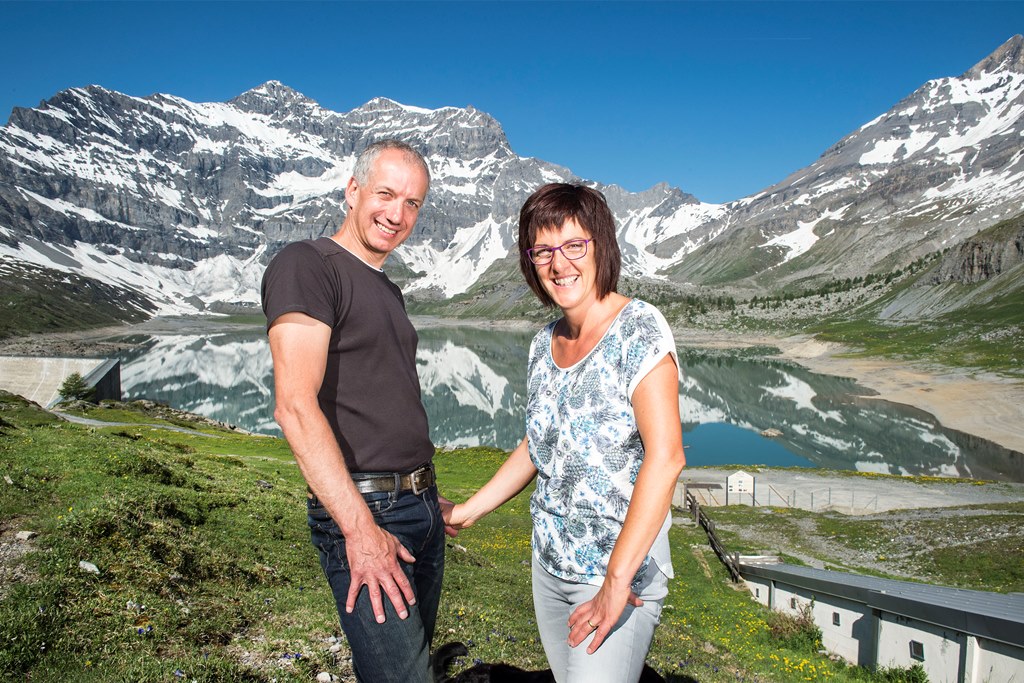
(37, 299)
(165, 555)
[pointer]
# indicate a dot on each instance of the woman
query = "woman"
(603, 439)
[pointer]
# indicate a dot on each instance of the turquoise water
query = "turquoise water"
(473, 385)
(718, 443)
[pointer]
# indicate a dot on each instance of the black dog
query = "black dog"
(481, 673)
(500, 673)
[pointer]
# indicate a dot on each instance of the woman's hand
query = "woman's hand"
(657, 416)
(511, 478)
(455, 516)
(599, 615)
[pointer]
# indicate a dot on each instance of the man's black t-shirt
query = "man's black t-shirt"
(371, 392)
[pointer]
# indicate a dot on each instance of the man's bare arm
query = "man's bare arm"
(298, 344)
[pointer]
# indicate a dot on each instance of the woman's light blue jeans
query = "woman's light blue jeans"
(620, 659)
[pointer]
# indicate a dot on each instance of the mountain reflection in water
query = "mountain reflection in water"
(474, 385)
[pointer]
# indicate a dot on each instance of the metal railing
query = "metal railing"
(846, 500)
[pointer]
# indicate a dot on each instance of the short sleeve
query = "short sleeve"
(298, 281)
(647, 338)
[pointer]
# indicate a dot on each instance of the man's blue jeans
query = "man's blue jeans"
(399, 649)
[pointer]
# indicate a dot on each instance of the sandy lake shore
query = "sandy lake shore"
(986, 405)
(983, 404)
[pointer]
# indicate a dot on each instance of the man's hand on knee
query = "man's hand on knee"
(373, 559)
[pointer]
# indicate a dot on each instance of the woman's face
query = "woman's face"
(571, 284)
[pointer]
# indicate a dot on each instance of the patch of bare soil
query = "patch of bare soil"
(12, 550)
(253, 651)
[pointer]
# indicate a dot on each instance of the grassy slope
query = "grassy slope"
(928, 545)
(984, 332)
(37, 299)
(205, 568)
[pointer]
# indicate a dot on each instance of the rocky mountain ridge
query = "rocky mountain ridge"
(944, 163)
(984, 256)
(182, 204)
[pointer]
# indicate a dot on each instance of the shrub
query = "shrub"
(798, 633)
(896, 674)
(74, 388)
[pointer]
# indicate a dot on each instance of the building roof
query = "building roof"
(996, 616)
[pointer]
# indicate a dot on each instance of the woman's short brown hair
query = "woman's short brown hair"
(548, 209)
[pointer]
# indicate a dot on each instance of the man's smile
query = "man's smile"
(386, 230)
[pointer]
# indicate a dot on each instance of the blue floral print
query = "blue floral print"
(584, 442)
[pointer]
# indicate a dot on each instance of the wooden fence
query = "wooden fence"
(730, 560)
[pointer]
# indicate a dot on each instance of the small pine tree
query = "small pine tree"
(74, 388)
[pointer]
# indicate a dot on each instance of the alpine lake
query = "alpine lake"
(473, 382)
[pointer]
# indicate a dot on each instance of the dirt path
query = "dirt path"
(847, 492)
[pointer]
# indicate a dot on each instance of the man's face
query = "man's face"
(383, 212)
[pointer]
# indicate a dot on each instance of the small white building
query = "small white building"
(958, 636)
(739, 485)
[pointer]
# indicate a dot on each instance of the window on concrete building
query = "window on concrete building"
(757, 592)
(835, 618)
(917, 650)
(792, 603)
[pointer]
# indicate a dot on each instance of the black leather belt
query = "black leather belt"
(416, 481)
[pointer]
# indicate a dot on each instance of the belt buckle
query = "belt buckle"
(414, 481)
(425, 472)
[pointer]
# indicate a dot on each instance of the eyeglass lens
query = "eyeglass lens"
(573, 249)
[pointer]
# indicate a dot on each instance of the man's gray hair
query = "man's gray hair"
(364, 163)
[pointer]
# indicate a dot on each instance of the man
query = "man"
(348, 402)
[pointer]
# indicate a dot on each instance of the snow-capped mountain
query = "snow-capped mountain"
(184, 203)
(945, 162)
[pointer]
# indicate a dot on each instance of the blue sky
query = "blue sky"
(719, 99)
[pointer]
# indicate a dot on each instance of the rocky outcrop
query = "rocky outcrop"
(983, 256)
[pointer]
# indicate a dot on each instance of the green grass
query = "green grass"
(197, 557)
(954, 342)
(996, 563)
(38, 299)
(205, 569)
(930, 545)
(142, 413)
(985, 334)
(254, 319)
